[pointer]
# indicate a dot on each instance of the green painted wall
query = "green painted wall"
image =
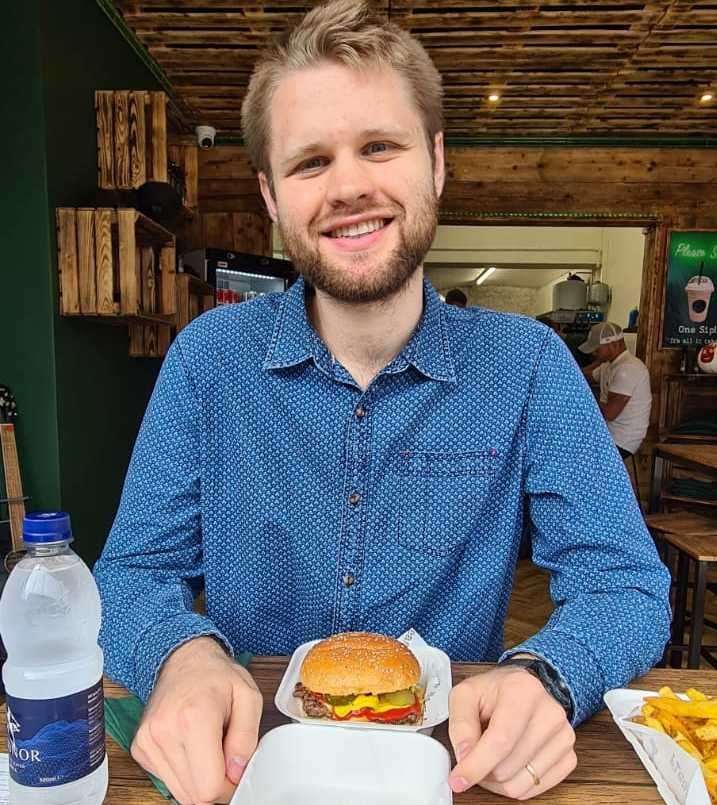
(27, 362)
(84, 397)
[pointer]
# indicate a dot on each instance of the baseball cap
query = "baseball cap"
(603, 333)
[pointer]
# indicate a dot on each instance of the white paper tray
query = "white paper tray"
(677, 775)
(298, 764)
(436, 680)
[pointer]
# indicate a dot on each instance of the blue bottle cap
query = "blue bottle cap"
(41, 528)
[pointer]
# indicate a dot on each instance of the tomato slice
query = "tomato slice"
(394, 715)
(386, 717)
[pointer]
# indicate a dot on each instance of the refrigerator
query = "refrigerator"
(236, 276)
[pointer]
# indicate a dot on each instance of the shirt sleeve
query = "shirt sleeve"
(154, 550)
(610, 589)
(623, 381)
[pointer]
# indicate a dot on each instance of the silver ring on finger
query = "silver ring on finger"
(534, 774)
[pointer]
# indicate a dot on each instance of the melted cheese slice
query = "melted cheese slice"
(361, 701)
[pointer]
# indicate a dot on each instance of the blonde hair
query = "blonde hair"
(349, 33)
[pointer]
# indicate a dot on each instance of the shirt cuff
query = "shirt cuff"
(161, 639)
(575, 665)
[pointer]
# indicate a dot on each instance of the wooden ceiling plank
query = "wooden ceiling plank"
(135, 6)
(537, 38)
(533, 39)
(249, 19)
(205, 38)
(416, 6)
(560, 65)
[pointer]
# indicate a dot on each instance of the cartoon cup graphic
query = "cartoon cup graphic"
(699, 292)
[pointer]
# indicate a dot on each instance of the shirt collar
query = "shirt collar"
(294, 340)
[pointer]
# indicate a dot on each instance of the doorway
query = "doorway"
(516, 269)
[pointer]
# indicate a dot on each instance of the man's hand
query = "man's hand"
(200, 726)
(500, 722)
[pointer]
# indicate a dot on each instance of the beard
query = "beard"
(414, 241)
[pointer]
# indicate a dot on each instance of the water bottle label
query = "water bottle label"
(56, 741)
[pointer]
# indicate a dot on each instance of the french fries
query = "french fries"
(692, 724)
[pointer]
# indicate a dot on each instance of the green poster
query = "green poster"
(690, 300)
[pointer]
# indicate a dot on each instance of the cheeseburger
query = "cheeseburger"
(361, 676)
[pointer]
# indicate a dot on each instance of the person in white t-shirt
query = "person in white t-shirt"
(625, 396)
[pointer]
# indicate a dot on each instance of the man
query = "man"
(456, 297)
(625, 396)
(354, 454)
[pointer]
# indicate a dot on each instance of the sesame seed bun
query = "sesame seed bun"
(359, 662)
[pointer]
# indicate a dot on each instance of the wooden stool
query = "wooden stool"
(694, 538)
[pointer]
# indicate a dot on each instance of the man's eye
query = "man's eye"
(378, 148)
(312, 164)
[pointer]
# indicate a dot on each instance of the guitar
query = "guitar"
(13, 483)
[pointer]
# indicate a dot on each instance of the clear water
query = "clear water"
(49, 620)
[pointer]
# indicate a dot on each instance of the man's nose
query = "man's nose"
(350, 180)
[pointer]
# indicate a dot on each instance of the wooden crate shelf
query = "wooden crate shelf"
(117, 264)
(134, 144)
(148, 340)
(194, 297)
(131, 137)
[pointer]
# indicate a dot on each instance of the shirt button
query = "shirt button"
(354, 498)
(360, 412)
(348, 580)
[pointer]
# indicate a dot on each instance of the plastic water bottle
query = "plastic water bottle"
(49, 620)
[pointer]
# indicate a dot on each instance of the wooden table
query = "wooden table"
(700, 457)
(608, 771)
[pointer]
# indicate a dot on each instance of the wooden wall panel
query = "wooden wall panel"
(250, 233)
(231, 212)
(218, 230)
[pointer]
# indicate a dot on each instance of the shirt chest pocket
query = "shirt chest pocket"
(440, 496)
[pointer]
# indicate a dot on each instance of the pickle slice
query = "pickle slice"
(399, 698)
(338, 701)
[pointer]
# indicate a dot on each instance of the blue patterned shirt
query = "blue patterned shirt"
(307, 506)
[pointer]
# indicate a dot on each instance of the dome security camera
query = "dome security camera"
(205, 136)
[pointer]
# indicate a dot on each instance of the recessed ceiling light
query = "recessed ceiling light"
(707, 97)
(494, 97)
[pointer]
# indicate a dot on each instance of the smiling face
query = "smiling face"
(355, 194)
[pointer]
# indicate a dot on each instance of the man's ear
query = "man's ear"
(439, 164)
(268, 195)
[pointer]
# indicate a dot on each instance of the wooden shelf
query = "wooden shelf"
(150, 232)
(118, 264)
(133, 144)
(194, 297)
